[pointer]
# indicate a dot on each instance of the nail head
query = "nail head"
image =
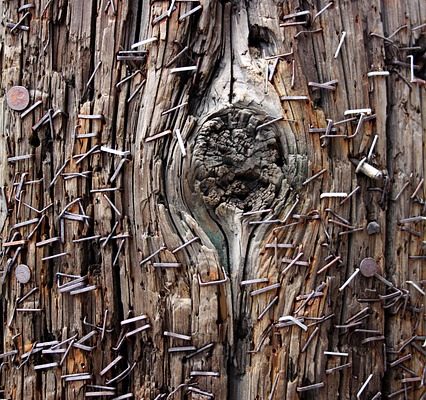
(368, 267)
(18, 98)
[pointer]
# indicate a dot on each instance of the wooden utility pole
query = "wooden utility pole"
(213, 199)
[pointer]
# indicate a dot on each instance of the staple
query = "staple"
(35, 209)
(104, 190)
(8, 354)
(193, 389)
(20, 158)
(25, 223)
(333, 195)
(185, 244)
(272, 69)
(30, 109)
(94, 72)
(279, 55)
(74, 217)
(318, 174)
(199, 351)
(46, 366)
(123, 396)
(134, 319)
(114, 152)
(355, 273)
(358, 127)
(310, 338)
(411, 67)
(327, 85)
(158, 135)
(174, 108)
(314, 294)
(310, 387)
(339, 223)
(72, 175)
(296, 14)
(167, 265)
(29, 310)
(358, 314)
(366, 111)
(110, 388)
(19, 23)
(180, 142)
(122, 375)
(72, 286)
(63, 342)
(373, 144)
(372, 339)
(417, 287)
(85, 338)
(84, 347)
(50, 351)
(14, 258)
(254, 281)
(83, 290)
(44, 119)
(274, 386)
(336, 353)
(216, 282)
(286, 24)
(342, 38)
(58, 173)
(259, 127)
(181, 349)
(351, 231)
(331, 263)
(280, 246)
(118, 169)
(377, 73)
(25, 7)
(127, 78)
(136, 91)
(177, 335)
(156, 20)
(400, 360)
(13, 243)
(416, 190)
(266, 221)
(293, 320)
(410, 231)
(54, 256)
(294, 98)
(183, 69)
(322, 10)
(21, 27)
(267, 308)
(265, 289)
(293, 73)
(144, 42)
(86, 135)
(19, 300)
(146, 259)
(418, 27)
(111, 364)
(204, 373)
(415, 219)
(99, 393)
(190, 12)
(381, 37)
(77, 377)
(390, 296)
(120, 246)
(47, 344)
(36, 227)
(305, 31)
(86, 239)
(338, 368)
(112, 205)
(131, 57)
(294, 261)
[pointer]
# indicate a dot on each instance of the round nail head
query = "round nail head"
(22, 273)
(368, 267)
(18, 98)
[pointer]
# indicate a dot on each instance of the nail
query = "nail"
(338, 368)
(294, 98)
(111, 364)
(293, 321)
(267, 308)
(183, 69)
(176, 57)
(93, 73)
(265, 289)
(185, 244)
(310, 387)
(158, 135)
(144, 42)
(177, 335)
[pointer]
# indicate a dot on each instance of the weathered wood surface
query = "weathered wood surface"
(166, 197)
